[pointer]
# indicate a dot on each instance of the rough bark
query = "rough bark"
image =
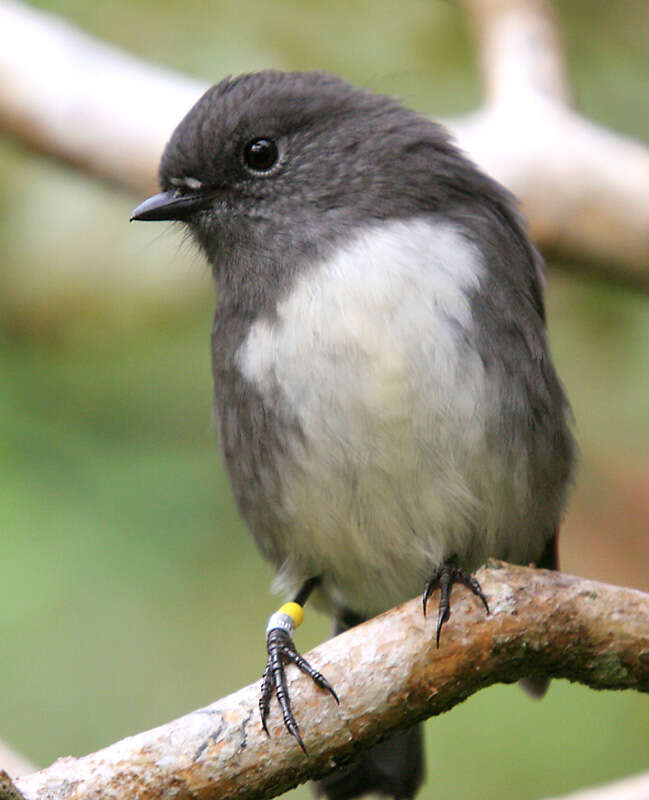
(388, 675)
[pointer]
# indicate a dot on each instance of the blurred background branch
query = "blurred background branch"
(388, 675)
(85, 102)
(633, 788)
(584, 189)
(13, 763)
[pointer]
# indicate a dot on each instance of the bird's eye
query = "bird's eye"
(261, 155)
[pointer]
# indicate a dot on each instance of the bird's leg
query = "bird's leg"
(280, 647)
(445, 576)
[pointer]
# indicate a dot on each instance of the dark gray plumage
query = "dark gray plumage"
(383, 388)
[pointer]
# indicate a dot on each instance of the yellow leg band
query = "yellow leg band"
(294, 611)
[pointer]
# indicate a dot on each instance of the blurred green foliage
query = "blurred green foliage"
(130, 592)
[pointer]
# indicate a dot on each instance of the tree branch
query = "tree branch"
(85, 102)
(585, 189)
(634, 788)
(388, 675)
(12, 762)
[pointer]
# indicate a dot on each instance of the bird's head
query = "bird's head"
(271, 168)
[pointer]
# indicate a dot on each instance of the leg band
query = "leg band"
(288, 618)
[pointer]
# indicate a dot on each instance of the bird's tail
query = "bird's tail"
(537, 687)
(394, 768)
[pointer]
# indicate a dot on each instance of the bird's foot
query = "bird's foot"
(445, 576)
(281, 650)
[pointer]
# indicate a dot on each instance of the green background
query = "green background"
(130, 593)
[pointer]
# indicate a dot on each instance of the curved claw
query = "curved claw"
(328, 687)
(475, 587)
(442, 617)
(445, 576)
(280, 649)
(264, 697)
(428, 590)
(293, 729)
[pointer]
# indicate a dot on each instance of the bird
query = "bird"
(386, 403)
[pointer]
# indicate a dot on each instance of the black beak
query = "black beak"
(170, 205)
